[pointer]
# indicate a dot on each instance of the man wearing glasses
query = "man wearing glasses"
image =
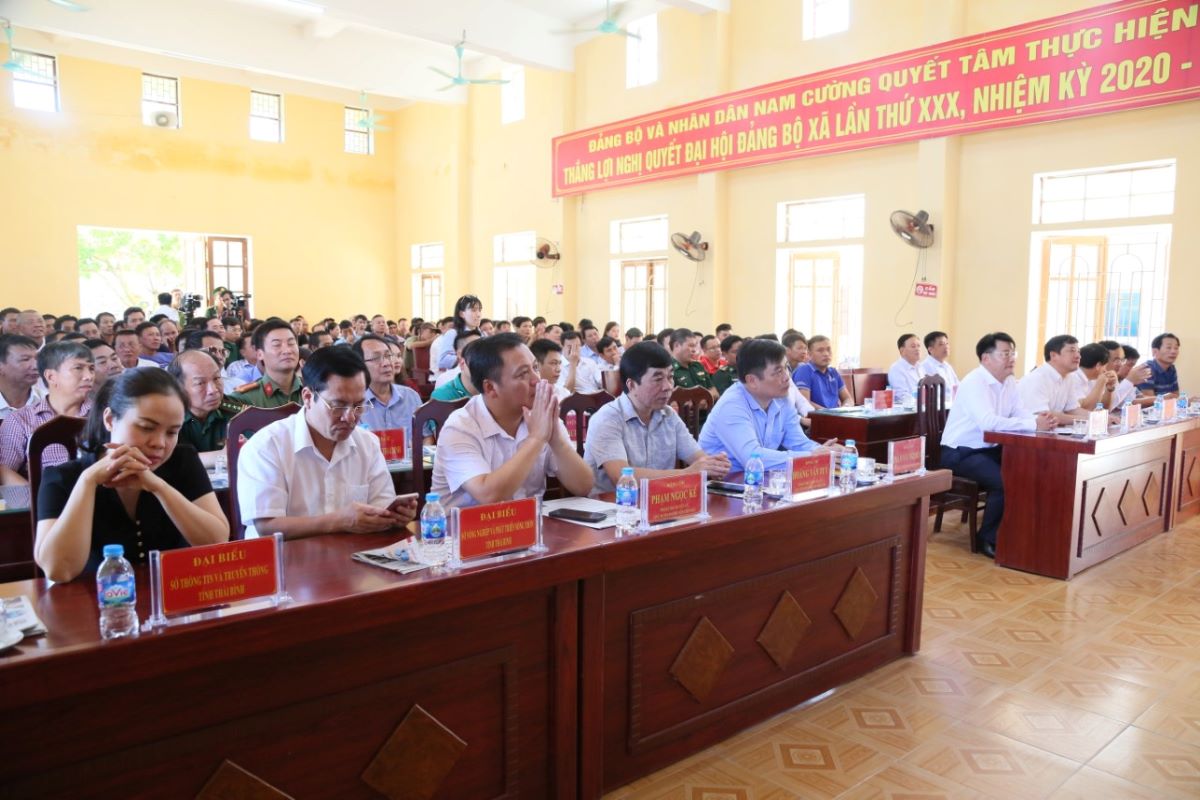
(389, 405)
(278, 352)
(987, 400)
(317, 471)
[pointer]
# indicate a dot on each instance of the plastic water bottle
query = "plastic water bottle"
(849, 480)
(1182, 404)
(752, 477)
(434, 544)
(116, 593)
(628, 513)
(1158, 407)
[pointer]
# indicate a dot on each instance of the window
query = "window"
(1118, 192)
(360, 139)
(514, 279)
(35, 84)
(639, 272)
(824, 18)
(641, 52)
(227, 262)
(266, 117)
(160, 101)
(512, 94)
(818, 272)
(427, 262)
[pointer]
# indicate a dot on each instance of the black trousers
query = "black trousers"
(983, 467)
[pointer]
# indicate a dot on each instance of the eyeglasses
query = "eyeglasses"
(379, 357)
(341, 411)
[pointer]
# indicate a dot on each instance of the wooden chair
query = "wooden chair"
(243, 425)
(693, 406)
(61, 431)
(867, 381)
(963, 494)
(582, 406)
(848, 379)
(422, 374)
(435, 412)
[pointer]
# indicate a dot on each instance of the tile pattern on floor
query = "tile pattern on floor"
(1024, 687)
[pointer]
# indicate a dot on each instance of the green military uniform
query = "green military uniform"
(452, 390)
(265, 393)
(208, 434)
(694, 374)
(723, 378)
(231, 353)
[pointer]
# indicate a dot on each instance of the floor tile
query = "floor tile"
(1131, 664)
(895, 727)
(1174, 718)
(1157, 762)
(906, 782)
(1098, 692)
(1057, 728)
(940, 688)
(1092, 784)
(989, 660)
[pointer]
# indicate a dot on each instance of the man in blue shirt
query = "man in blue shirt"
(821, 385)
(754, 414)
(1163, 378)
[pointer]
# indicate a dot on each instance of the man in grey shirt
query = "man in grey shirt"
(640, 430)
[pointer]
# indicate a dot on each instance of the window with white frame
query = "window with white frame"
(428, 260)
(514, 279)
(35, 82)
(512, 94)
(1107, 280)
(160, 101)
(641, 52)
(824, 18)
(266, 117)
(638, 272)
(818, 271)
(360, 139)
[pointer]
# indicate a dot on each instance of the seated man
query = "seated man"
(317, 471)
(88, 327)
(232, 329)
(548, 354)
(726, 374)
(937, 345)
(905, 372)
(632, 337)
(1163, 378)
(820, 384)
(455, 384)
(69, 371)
(640, 429)
(1047, 388)
(107, 364)
(276, 349)
(589, 375)
(710, 354)
(797, 349)
(125, 343)
(1095, 382)
(245, 369)
(19, 382)
(31, 325)
(591, 341)
(754, 414)
(208, 411)
(210, 342)
(389, 404)
(504, 442)
(987, 400)
(150, 346)
(1128, 375)
(687, 369)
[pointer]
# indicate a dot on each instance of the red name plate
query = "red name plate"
(392, 442)
(811, 472)
(194, 578)
(673, 498)
(906, 455)
(497, 528)
(1133, 416)
(926, 290)
(1170, 408)
(882, 398)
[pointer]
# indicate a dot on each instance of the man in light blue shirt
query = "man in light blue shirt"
(389, 405)
(754, 414)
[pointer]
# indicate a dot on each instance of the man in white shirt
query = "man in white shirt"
(987, 400)
(164, 307)
(504, 442)
(548, 354)
(1094, 381)
(1049, 387)
(905, 372)
(937, 345)
(589, 376)
(20, 384)
(1134, 374)
(317, 471)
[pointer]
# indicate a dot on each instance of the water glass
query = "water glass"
(868, 404)
(777, 482)
(1079, 427)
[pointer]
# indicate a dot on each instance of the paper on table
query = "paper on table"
(386, 557)
(20, 614)
(584, 504)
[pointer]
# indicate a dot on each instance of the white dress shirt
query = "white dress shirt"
(931, 366)
(472, 443)
(1125, 392)
(281, 473)
(36, 393)
(1045, 389)
(589, 376)
(904, 377)
(799, 401)
(447, 376)
(985, 404)
(167, 312)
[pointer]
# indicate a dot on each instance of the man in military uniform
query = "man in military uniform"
(726, 374)
(209, 409)
(279, 354)
(685, 367)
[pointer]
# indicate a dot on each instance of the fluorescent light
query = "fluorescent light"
(299, 6)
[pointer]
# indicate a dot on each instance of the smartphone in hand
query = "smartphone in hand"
(401, 501)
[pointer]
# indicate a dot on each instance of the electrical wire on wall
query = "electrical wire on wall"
(920, 267)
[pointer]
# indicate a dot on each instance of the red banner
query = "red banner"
(497, 528)
(673, 498)
(1112, 57)
(202, 577)
(811, 472)
(906, 455)
(882, 399)
(392, 443)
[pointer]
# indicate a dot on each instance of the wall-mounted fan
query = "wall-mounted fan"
(691, 247)
(164, 119)
(546, 256)
(610, 25)
(913, 228)
(458, 79)
(370, 122)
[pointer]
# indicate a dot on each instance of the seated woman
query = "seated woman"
(132, 484)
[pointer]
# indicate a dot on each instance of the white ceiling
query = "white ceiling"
(342, 47)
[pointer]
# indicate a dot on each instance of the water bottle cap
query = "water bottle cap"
(755, 454)
(432, 497)
(849, 443)
(114, 550)
(626, 470)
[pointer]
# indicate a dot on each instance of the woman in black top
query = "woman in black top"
(132, 486)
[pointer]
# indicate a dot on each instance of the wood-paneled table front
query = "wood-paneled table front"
(871, 431)
(559, 675)
(1071, 503)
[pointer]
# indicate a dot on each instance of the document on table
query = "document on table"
(389, 557)
(609, 510)
(21, 616)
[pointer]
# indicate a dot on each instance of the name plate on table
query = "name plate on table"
(673, 498)
(393, 442)
(811, 475)
(1097, 423)
(498, 528)
(906, 456)
(1170, 408)
(1131, 417)
(194, 579)
(883, 399)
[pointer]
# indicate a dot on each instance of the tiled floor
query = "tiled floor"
(1024, 688)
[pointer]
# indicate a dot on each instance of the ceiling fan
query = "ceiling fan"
(458, 79)
(11, 64)
(610, 25)
(370, 121)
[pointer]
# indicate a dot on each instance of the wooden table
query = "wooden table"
(564, 674)
(871, 431)
(1070, 503)
(16, 536)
